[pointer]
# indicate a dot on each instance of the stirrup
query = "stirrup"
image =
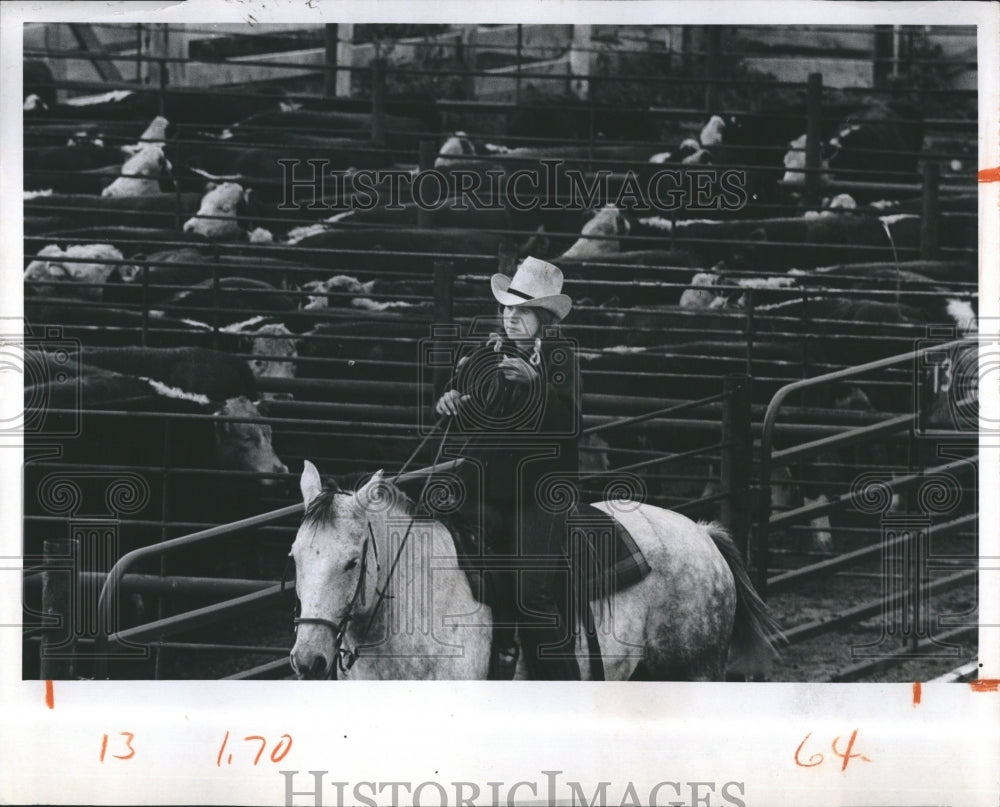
(503, 663)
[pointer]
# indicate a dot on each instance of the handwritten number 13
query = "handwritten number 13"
(129, 736)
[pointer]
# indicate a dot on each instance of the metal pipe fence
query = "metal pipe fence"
(366, 400)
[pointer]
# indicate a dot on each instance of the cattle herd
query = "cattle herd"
(214, 335)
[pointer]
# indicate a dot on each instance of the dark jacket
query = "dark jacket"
(519, 419)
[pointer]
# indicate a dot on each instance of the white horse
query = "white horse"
(382, 596)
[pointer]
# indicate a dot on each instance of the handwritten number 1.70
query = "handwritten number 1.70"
(278, 753)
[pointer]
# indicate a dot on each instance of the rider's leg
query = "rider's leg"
(545, 624)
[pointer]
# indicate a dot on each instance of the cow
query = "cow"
(229, 300)
(210, 373)
(598, 237)
(147, 431)
(878, 143)
(38, 82)
(274, 351)
(156, 276)
(220, 211)
(78, 271)
(142, 174)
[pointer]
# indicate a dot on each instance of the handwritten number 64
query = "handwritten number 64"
(817, 759)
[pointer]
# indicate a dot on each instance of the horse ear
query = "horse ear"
(310, 484)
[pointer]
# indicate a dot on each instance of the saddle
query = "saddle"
(604, 559)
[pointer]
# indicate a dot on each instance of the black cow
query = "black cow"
(38, 81)
(234, 300)
(210, 373)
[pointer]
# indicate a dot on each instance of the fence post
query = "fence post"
(331, 34)
(60, 560)
(930, 211)
(145, 305)
(507, 258)
(378, 101)
(427, 155)
(736, 456)
(469, 36)
(345, 58)
(713, 49)
(520, 54)
(163, 85)
(580, 61)
(138, 54)
(750, 330)
(444, 286)
(216, 291)
(814, 133)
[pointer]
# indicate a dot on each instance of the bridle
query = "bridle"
(347, 656)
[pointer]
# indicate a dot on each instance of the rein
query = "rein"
(346, 656)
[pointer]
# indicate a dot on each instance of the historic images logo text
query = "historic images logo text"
(310, 184)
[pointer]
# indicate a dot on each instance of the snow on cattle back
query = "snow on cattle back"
(245, 326)
(175, 392)
(660, 223)
(368, 304)
(258, 235)
(620, 350)
(36, 194)
(962, 312)
(297, 234)
(112, 97)
(895, 218)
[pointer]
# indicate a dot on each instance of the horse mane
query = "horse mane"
(322, 510)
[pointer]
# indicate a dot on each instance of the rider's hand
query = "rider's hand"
(517, 369)
(450, 402)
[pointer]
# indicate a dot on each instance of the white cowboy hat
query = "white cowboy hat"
(536, 284)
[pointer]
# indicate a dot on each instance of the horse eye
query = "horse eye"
(351, 564)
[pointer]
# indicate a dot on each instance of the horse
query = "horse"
(382, 596)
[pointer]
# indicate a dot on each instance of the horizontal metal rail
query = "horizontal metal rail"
(925, 649)
(825, 568)
(812, 630)
(764, 520)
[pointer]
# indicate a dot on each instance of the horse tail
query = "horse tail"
(756, 634)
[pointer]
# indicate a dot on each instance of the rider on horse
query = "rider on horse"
(518, 396)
